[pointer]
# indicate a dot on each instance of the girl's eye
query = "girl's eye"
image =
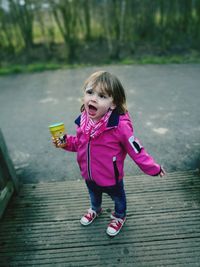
(89, 92)
(102, 96)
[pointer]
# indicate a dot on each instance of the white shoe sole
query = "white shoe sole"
(114, 234)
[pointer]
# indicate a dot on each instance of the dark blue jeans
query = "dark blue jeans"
(116, 193)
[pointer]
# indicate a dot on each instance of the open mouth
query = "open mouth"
(92, 110)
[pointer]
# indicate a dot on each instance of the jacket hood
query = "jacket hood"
(112, 122)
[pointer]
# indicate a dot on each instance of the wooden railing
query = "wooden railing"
(8, 179)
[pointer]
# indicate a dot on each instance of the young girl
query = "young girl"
(104, 136)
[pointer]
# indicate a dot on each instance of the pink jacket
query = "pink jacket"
(102, 159)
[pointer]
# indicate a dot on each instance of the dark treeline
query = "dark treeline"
(76, 30)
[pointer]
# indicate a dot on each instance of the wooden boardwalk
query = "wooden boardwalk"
(41, 225)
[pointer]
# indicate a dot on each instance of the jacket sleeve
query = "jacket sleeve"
(72, 143)
(136, 151)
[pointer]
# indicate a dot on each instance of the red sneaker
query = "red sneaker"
(115, 225)
(89, 217)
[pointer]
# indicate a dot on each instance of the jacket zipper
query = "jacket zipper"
(88, 160)
(116, 170)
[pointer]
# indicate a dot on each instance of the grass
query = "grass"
(39, 67)
(173, 59)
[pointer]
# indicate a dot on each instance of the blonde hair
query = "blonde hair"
(111, 85)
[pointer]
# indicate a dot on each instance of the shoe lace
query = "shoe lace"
(116, 222)
(90, 214)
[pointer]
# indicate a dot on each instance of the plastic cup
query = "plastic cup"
(57, 130)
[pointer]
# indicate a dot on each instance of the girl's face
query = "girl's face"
(97, 102)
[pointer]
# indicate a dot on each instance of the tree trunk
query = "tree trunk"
(107, 27)
(87, 8)
(65, 13)
(23, 15)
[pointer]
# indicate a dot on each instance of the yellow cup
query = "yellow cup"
(58, 131)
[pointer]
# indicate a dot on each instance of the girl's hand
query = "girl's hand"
(162, 172)
(57, 143)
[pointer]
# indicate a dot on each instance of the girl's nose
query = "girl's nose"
(94, 97)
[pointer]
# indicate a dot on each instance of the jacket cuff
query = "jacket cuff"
(158, 172)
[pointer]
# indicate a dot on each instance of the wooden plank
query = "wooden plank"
(8, 178)
(5, 196)
(125, 257)
(8, 171)
(145, 203)
(41, 226)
